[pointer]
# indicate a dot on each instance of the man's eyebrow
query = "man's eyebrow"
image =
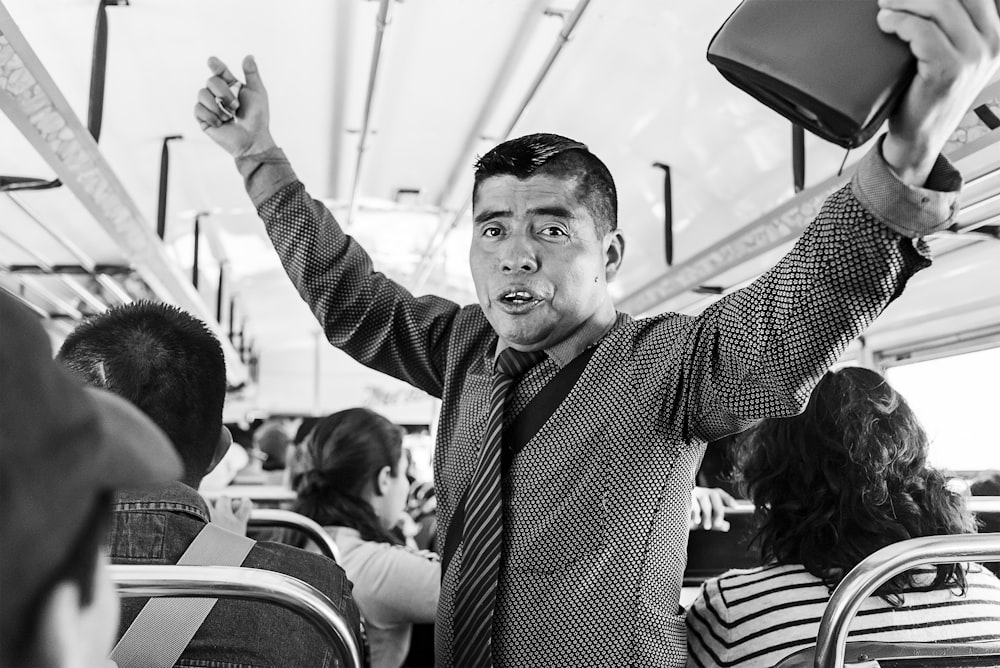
(554, 211)
(489, 214)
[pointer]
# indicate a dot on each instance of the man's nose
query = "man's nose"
(518, 254)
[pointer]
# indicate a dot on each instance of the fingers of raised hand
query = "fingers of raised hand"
(219, 69)
(207, 112)
(944, 33)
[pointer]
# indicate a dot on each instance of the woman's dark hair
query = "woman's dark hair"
(846, 477)
(347, 450)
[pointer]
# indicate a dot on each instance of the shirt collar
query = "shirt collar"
(586, 335)
(173, 496)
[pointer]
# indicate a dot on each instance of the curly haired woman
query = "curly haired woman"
(832, 485)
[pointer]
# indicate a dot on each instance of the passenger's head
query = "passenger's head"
(64, 450)
(545, 239)
(357, 474)
(272, 441)
(167, 363)
(846, 477)
(563, 158)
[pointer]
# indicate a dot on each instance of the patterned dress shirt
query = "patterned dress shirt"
(596, 504)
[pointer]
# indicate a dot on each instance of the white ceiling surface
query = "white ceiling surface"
(632, 82)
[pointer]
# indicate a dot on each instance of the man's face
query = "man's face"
(539, 267)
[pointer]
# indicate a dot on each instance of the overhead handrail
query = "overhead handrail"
(862, 581)
(287, 519)
(242, 583)
(381, 22)
(95, 106)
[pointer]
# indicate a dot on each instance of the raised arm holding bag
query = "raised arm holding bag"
(822, 64)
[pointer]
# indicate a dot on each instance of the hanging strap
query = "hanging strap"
(164, 627)
(516, 436)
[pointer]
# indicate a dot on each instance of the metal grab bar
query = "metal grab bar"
(242, 583)
(287, 519)
(983, 504)
(862, 581)
(975, 504)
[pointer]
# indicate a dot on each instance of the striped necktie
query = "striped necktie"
(482, 542)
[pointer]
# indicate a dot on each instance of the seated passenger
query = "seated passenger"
(833, 485)
(63, 452)
(171, 366)
(356, 487)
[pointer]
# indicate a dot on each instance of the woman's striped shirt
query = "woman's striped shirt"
(757, 617)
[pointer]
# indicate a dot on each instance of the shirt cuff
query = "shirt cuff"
(265, 173)
(909, 210)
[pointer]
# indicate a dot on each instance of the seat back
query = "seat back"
(286, 519)
(906, 654)
(242, 583)
(881, 566)
(712, 553)
(987, 510)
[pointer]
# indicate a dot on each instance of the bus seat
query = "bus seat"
(987, 510)
(905, 655)
(296, 523)
(862, 581)
(712, 553)
(267, 496)
(243, 583)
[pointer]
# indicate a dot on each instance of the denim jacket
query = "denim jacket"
(156, 526)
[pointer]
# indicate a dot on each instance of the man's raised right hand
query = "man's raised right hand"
(242, 127)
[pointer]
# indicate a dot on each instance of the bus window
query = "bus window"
(957, 399)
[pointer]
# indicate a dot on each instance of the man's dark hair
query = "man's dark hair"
(79, 568)
(560, 157)
(847, 477)
(164, 361)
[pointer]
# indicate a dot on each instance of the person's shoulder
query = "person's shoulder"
(321, 572)
(745, 583)
(472, 325)
(979, 575)
(656, 331)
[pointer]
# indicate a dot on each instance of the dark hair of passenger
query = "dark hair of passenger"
(347, 450)
(78, 567)
(305, 428)
(560, 157)
(164, 361)
(846, 477)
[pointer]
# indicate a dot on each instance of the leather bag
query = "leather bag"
(822, 64)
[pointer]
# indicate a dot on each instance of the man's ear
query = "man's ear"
(614, 242)
(221, 448)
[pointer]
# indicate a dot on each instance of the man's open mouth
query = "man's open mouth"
(517, 297)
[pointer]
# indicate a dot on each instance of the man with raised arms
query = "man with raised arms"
(594, 507)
